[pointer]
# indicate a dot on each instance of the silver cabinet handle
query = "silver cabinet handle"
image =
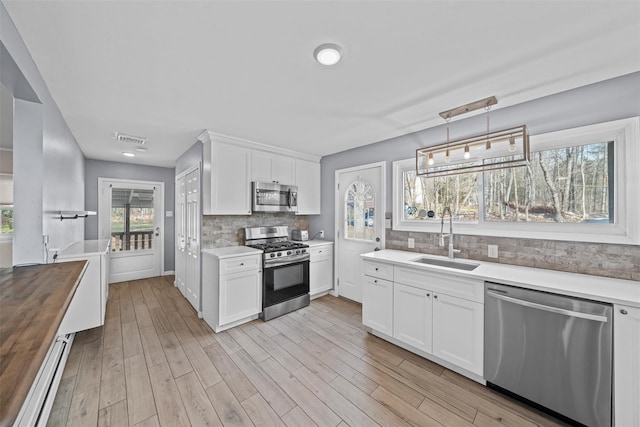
(376, 268)
(556, 310)
(375, 281)
(428, 295)
(435, 296)
(623, 311)
(241, 264)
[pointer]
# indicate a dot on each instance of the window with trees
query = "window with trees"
(579, 186)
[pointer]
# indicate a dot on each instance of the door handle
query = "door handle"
(550, 309)
(376, 249)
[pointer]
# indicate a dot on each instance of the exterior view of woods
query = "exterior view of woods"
(359, 212)
(567, 184)
(132, 217)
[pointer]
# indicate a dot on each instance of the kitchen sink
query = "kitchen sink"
(467, 266)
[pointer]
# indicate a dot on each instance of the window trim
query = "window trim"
(625, 229)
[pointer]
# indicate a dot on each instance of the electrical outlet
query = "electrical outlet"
(322, 234)
(45, 239)
(411, 243)
(492, 251)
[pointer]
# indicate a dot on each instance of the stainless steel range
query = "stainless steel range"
(285, 270)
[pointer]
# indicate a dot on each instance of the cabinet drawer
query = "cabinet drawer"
(470, 289)
(319, 251)
(239, 264)
(378, 269)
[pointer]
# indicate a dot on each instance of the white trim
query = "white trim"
(625, 230)
(187, 171)
(169, 273)
(383, 190)
(208, 135)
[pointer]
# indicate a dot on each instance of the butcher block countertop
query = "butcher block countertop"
(33, 301)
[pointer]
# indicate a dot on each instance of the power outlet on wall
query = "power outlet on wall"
(492, 251)
(322, 234)
(411, 243)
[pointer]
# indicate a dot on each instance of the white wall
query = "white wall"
(48, 174)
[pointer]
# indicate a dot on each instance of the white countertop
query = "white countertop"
(85, 247)
(231, 251)
(616, 291)
(315, 243)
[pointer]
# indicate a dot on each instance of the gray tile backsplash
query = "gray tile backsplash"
(227, 230)
(598, 259)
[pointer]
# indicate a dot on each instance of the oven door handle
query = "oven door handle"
(278, 263)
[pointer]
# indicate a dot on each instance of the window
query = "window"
(579, 186)
(359, 211)
(6, 204)
(132, 218)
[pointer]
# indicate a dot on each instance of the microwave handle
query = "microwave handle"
(289, 199)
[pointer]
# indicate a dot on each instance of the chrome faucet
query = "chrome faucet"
(442, 236)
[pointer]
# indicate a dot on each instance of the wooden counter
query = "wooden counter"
(33, 301)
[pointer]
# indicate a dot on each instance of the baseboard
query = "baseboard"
(169, 273)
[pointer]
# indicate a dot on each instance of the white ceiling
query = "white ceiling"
(166, 70)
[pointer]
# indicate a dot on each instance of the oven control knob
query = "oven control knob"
(303, 251)
(279, 253)
(297, 251)
(288, 252)
(273, 255)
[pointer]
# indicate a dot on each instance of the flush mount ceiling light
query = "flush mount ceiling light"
(127, 154)
(328, 54)
(501, 149)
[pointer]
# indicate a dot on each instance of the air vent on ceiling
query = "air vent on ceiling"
(120, 137)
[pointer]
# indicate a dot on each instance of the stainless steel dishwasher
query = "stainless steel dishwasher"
(552, 350)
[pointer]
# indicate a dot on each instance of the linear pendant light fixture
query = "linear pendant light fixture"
(507, 148)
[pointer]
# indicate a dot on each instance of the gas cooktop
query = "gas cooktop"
(278, 246)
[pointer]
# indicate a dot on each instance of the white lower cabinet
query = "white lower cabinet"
(231, 287)
(437, 315)
(320, 268)
(377, 304)
(458, 332)
(626, 362)
(412, 316)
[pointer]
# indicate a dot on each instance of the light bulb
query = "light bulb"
(512, 144)
(430, 159)
(466, 152)
(447, 158)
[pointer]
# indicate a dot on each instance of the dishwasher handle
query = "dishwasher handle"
(556, 310)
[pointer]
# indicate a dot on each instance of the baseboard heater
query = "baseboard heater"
(37, 406)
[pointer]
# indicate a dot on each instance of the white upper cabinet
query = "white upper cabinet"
(226, 184)
(308, 182)
(271, 167)
(231, 164)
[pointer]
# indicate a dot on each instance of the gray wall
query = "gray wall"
(56, 169)
(604, 101)
(189, 158)
(95, 169)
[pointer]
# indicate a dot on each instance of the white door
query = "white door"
(130, 214)
(181, 234)
(192, 283)
(359, 223)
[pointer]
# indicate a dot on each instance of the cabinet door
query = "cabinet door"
(626, 359)
(377, 304)
(308, 182)
(458, 331)
(412, 316)
(260, 166)
(320, 274)
(283, 169)
(271, 167)
(227, 184)
(240, 295)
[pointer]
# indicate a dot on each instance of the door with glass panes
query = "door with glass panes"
(359, 223)
(130, 215)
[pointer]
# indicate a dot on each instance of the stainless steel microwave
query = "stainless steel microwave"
(270, 197)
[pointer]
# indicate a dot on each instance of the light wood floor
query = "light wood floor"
(155, 363)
